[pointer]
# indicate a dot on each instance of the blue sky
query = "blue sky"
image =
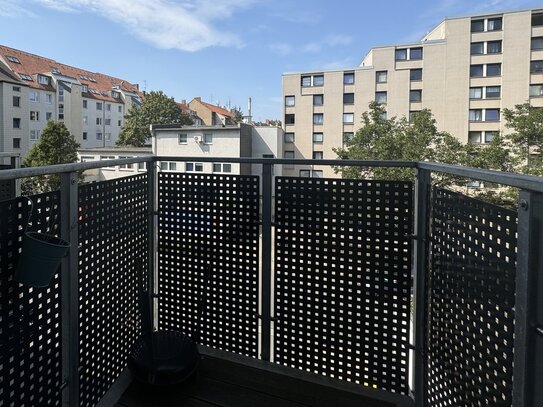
(221, 50)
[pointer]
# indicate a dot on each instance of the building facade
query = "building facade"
(466, 70)
(91, 105)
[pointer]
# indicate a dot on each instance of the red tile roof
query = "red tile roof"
(217, 109)
(99, 85)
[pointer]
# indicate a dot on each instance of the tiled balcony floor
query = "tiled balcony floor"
(225, 383)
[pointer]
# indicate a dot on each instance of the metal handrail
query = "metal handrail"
(526, 182)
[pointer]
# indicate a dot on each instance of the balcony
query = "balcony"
(314, 291)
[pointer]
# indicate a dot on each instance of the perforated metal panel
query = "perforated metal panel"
(30, 318)
(343, 279)
(113, 235)
(472, 297)
(7, 187)
(208, 258)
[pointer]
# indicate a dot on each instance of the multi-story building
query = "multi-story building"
(466, 70)
(209, 114)
(36, 89)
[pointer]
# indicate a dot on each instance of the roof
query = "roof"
(30, 66)
(117, 149)
(193, 128)
(215, 108)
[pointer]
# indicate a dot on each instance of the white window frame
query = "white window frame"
(208, 138)
(196, 167)
(180, 137)
(34, 96)
(222, 167)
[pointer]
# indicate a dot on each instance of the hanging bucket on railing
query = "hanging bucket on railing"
(40, 259)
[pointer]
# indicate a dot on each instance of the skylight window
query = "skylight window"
(13, 59)
(55, 70)
(26, 77)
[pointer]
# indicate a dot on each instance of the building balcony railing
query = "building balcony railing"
(402, 292)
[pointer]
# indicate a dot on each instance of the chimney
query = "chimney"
(183, 101)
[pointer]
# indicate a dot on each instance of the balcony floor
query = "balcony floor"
(226, 383)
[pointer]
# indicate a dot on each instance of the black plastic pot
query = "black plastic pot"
(40, 259)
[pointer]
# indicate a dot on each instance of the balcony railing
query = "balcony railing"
(401, 291)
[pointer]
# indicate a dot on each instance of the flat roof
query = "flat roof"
(118, 149)
(193, 128)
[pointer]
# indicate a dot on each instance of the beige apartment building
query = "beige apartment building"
(466, 70)
(35, 89)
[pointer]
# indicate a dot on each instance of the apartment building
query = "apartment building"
(466, 70)
(36, 89)
(208, 114)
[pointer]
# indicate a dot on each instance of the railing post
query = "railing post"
(266, 259)
(422, 222)
(152, 266)
(69, 280)
(528, 355)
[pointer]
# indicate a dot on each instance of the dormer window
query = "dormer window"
(115, 94)
(13, 59)
(44, 80)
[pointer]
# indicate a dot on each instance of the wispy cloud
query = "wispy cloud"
(13, 8)
(166, 24)
(330, 41)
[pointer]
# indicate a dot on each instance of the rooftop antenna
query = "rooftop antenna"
(249, 111)
(144, 85)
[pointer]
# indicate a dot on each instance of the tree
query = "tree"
(238, 114)
(56, 146)
(156, 108)
(380, 138)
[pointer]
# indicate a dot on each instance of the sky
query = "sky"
(224, 51)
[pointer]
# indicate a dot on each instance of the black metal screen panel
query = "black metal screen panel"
(208, 258)
(7, 187)
(30, 318)
(343, 279)
(471, 302)
(113, 255)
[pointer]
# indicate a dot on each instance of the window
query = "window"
(318, 100)
(85, 104)
(348, 78)
(316, 174)
(142, 166)
(227, 168)
(536, 67)
(85, 120)
(120, 109)
(493, 69)
(125, 166)
(475, 93)
(119, 123)
(477, 48)
(98, 136)
(536, 90)
(474, 137)
(492, 115)
(48, 98)
(317, 155)
(415, 75)
(415, 53)
(401, 54)
(43, 80)
(208, 138)
(475, 70)
(48, 115)
(494, 24)
(115, 94)
(60, 95)
(288, 138)
(84, 89)
(537, 43)
(98, 105)
(493, 92)
(13, 59)
(108, 107)
(172, 166)
(16, 143)
(415, 95)
(381, 76)
(318, 138)
(306, 81)
(26, 77)
(84, 135)
(108, 122)
(348, 136)
(288, 154)
(381, 97)
(476, 115)
(98, 121)
(348, 98)
(318, 80)
(348, 118)
(194, 167)
(493, 47)
(164, 166)
(34, 135)
(289, 101)
(305, 173)
(34, 116)
(34, 96)
(318, 118)
(16, 88)
(489, 136)
(477, 26)
(16, 101)
(182, 139)
(289, 118)
(537, 19)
